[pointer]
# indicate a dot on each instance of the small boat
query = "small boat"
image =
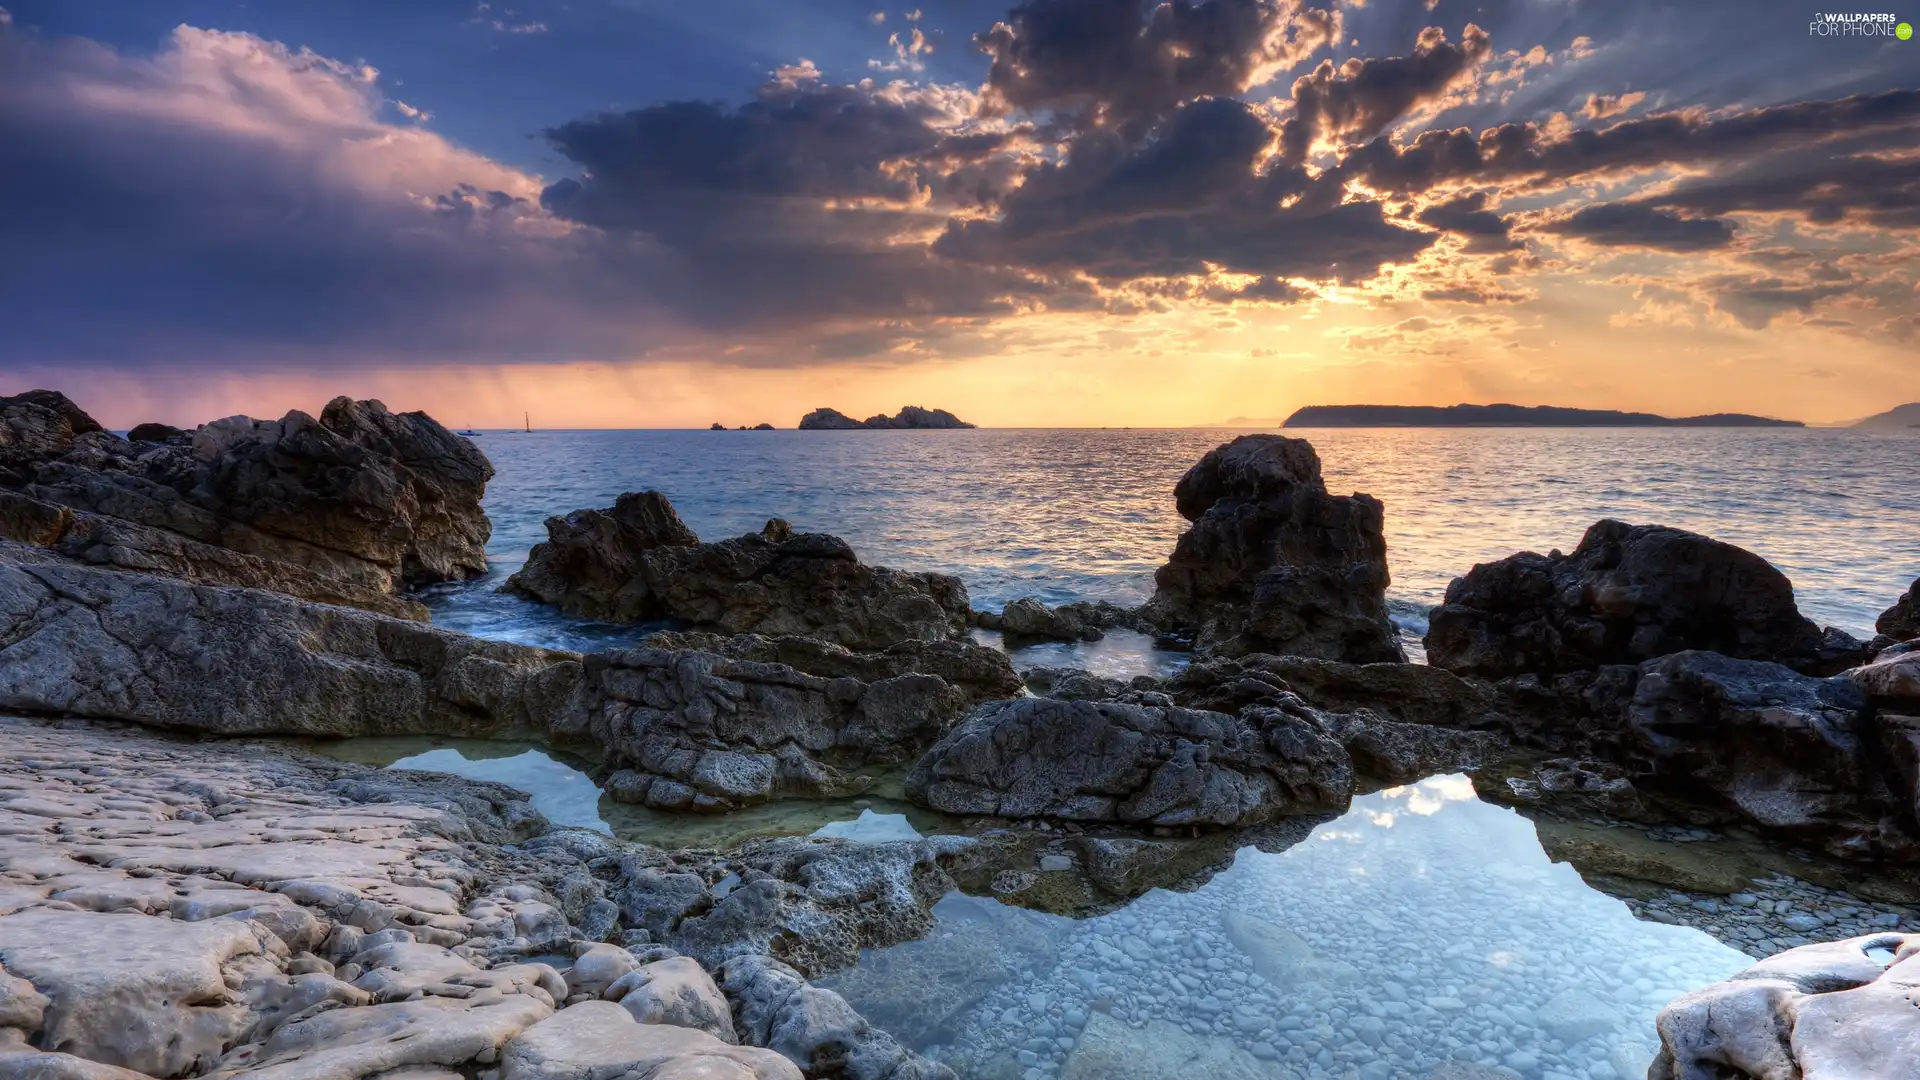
(469, 433)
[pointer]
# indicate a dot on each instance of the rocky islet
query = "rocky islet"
(1672, 674)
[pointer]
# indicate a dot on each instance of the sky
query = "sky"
(643, 213)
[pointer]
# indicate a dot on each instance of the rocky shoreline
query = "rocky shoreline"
(289, 916)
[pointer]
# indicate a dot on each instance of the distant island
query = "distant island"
(1335, 416)
(717, 426)
(1898, 418)
(911, 416)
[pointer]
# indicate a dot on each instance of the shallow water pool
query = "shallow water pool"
(1424, 930)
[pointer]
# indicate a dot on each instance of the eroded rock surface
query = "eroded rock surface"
(360, 497)
(1273, 563)
(80, 641)
(227, 909)
(1140, 764)
(1838, 1010)
(690, 730)
(637, 562)
(1627, 594)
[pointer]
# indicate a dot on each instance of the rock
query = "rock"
(1273, 563)
(598, 969)
(1282, 957)
(717, 426)
(1142, 765)
(689, 730)
(675, 991)
(35, 426)
(118, 544)
(1395, 753)
(637, 563)
(814, 1028)
(979, 672)
(1835, 1009)
(1902, 621)
(910, 416)
(120, 646)
(599, 1039)
(593, 563)
(1109, 1050)
(1627, 594)
(1575, 1015)
(157, 433)
(1892, 680)
(1783, 749)
(1078, 684)
(824, 419)
(1031, 619)
(360, 495)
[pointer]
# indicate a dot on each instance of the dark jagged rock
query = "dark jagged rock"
(1135, 764)
(979, 672)
(637, 562)
(80, 641)
(1273, 563)
(1628, 593)
(1792, 753)
(361, 496)
(687, 730)
(717, 426)
(1077, 684)
(157, 433)
(1901, 622)
(117, 544)
(910, 416)
(593, 564)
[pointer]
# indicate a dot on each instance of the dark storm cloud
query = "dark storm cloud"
(1186, 199)
(1755, 302)
(1631, 225)
(1531, 152)
(1133, 60)
(1822, 188)
(1468, 217)
(1360, 98)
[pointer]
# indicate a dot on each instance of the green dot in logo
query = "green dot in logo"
(1904, 31)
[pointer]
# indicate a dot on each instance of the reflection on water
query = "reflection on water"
(1422, 928)
(563, 790)
(1078, 514)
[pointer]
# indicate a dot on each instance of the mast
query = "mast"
(529, 419)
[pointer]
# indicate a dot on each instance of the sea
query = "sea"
(1425, 933)
(1088, 514)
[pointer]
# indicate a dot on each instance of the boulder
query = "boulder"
(360, 496)
(815, 1028)
(1627, 594)
(600, 1039)
(1892, 680)
(1273, 563)
(157, 433)
(1901, 622)
(1030, 619)
(80, 641)
(824, 419)
(910, 416)
(1136, 764)
(637, 562)
(675, 991)
(689, 730)
(118, 544)
(1837, 1009)
(1789, 752)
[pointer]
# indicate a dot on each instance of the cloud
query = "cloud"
(1605, 106)
(1358, 99)
(1124, 63)
(1467, 216)
(1633, 225)
(1190, 198)
(1543, 155)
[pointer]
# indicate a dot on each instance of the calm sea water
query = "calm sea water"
(1088, 514)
